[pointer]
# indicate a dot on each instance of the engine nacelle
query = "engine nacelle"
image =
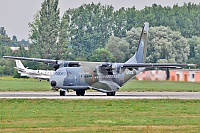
(60, 64)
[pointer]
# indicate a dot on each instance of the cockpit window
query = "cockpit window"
(63, 73)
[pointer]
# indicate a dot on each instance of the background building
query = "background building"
(187, 75)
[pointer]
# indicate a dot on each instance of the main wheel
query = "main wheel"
(62, 93)
(110, 93)
(80, 92)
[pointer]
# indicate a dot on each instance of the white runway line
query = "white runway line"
(99, 95)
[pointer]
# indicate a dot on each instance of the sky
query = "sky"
(16, 14)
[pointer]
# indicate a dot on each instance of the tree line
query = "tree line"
(96, 32)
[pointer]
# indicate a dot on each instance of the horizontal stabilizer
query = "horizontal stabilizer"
(19, 69)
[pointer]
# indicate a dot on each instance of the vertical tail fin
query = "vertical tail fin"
(19, 64)
(140, 55)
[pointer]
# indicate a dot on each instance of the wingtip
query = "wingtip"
(7, 56)
(192, 64)
(146, 26)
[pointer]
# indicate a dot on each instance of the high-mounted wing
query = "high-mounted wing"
(33, 59)
(57, 63)
(130, 66)
(165, 65)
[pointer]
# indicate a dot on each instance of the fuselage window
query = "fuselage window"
(89, 76)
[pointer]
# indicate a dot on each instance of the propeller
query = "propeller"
(56, 65)
(108, 67)
(60, 63)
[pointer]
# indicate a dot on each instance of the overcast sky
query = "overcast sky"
(16, 14)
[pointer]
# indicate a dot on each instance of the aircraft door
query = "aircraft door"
(80, 79)
(74, 77)
(69, 79)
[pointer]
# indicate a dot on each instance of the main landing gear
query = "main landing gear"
(111, 93)
(80, 92)
(62, 93)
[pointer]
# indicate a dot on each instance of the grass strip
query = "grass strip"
(99, 115)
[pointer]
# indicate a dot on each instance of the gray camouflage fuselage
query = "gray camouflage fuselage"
(101, 76)
(94, 76)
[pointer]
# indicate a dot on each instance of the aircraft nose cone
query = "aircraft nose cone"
(53, 83)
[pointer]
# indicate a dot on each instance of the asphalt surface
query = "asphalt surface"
(99, 95)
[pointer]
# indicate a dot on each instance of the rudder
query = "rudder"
(140, 55)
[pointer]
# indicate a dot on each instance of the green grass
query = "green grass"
(99, 115)
(11, 84)
(14, 84)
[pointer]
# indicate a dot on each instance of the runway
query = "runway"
(99, 95)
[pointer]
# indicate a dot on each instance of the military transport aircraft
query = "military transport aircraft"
(37, 74)
(105, 77)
